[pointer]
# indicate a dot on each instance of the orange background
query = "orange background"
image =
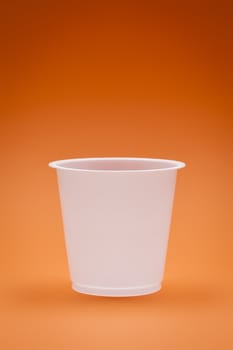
(116, 78)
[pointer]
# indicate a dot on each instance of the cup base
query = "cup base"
(116, 292)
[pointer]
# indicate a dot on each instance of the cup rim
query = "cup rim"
(63, 164)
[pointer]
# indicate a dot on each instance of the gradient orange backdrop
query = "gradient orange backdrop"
(98, 78)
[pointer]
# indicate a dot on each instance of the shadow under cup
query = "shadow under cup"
(116, 215)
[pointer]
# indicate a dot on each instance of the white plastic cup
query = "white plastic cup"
(116, 214)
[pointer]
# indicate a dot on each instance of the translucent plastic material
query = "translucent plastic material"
(116, 214)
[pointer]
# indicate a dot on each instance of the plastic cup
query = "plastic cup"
(116, 215)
